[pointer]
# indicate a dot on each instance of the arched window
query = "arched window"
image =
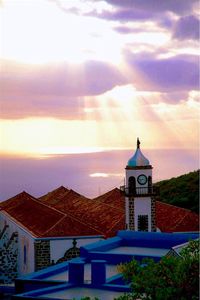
(132, 185)
(25, 255)
(149, 184)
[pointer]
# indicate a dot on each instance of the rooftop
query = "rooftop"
(95, 272)
(64, 212)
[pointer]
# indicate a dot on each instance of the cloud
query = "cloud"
(106, 175)
(187, 28)
(62, 79)
(55, 90)
(176, 6)
(124, 14)
(179, 73)
(137, 10)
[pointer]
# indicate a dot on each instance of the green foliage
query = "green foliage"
(182, 191)
(171, 278)
(88, 298)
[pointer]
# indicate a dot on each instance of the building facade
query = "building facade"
(139, 193)
(37, 233)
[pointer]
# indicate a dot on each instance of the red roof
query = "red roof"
(170, 218)
(53, 196)
(93, 212)
(42, 220)
(64, 212)
(113, 197)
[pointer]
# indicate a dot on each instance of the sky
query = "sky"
(82, 76)
(85, 76)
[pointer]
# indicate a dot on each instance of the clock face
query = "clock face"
(142, 179)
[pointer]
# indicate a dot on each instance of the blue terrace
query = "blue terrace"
(95, 272)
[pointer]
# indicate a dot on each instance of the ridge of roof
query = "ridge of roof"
(53, 225)
(49, 207)
(106, 194)
(118, 221)
(62, 198)
(103, 198)
(53, 192)
(21, 225)
(77, 220)
(66, 214)
(19, 195)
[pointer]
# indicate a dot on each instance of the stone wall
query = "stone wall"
(42, 254)
(153, 214)
(8, 256)
(131, 214)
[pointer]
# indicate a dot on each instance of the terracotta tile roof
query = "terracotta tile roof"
(64, 212)
(42, 220)
(93, 212)
(31, 213)
(170, 218)
(113, 198)
(53, 196)
(70, 226)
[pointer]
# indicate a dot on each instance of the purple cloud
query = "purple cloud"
(140, 11)
(176, 6)
(124, 14)
(90, 78)
(166, 75)
(55, 91)
(124, 29)
(187, 28)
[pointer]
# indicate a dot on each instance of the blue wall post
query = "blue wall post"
(98, 271)
(76, 272)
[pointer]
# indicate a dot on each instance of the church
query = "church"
(36, 233)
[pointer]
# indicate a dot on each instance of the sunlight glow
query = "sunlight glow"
(39, 37)
(61, 36)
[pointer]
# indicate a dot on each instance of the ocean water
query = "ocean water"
(89, 174)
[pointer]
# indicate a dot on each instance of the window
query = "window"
(150, 184)
(25, 255)
(131, 185)
(143, 223)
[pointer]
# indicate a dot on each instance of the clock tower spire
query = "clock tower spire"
(139, 193)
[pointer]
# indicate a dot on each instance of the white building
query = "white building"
(139, 193)
(35, 233)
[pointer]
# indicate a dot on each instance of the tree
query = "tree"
(174, 277)
(182, 191)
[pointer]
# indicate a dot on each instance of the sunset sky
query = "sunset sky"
(83, 76)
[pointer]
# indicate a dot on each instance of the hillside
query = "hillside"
(182, 191)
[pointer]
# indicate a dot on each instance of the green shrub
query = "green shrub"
(171, 278)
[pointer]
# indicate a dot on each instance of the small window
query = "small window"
(150, 184)
(132, 185)
(25, 255)
(143, 223)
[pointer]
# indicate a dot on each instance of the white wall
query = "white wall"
(58, 247)
(135, 173)
(142, 207)
(24, 239)
(127, 211)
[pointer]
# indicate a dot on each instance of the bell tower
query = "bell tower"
(139, 193)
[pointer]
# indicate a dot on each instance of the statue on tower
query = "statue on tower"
(138, 143)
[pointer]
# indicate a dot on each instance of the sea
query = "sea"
(90, 174)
